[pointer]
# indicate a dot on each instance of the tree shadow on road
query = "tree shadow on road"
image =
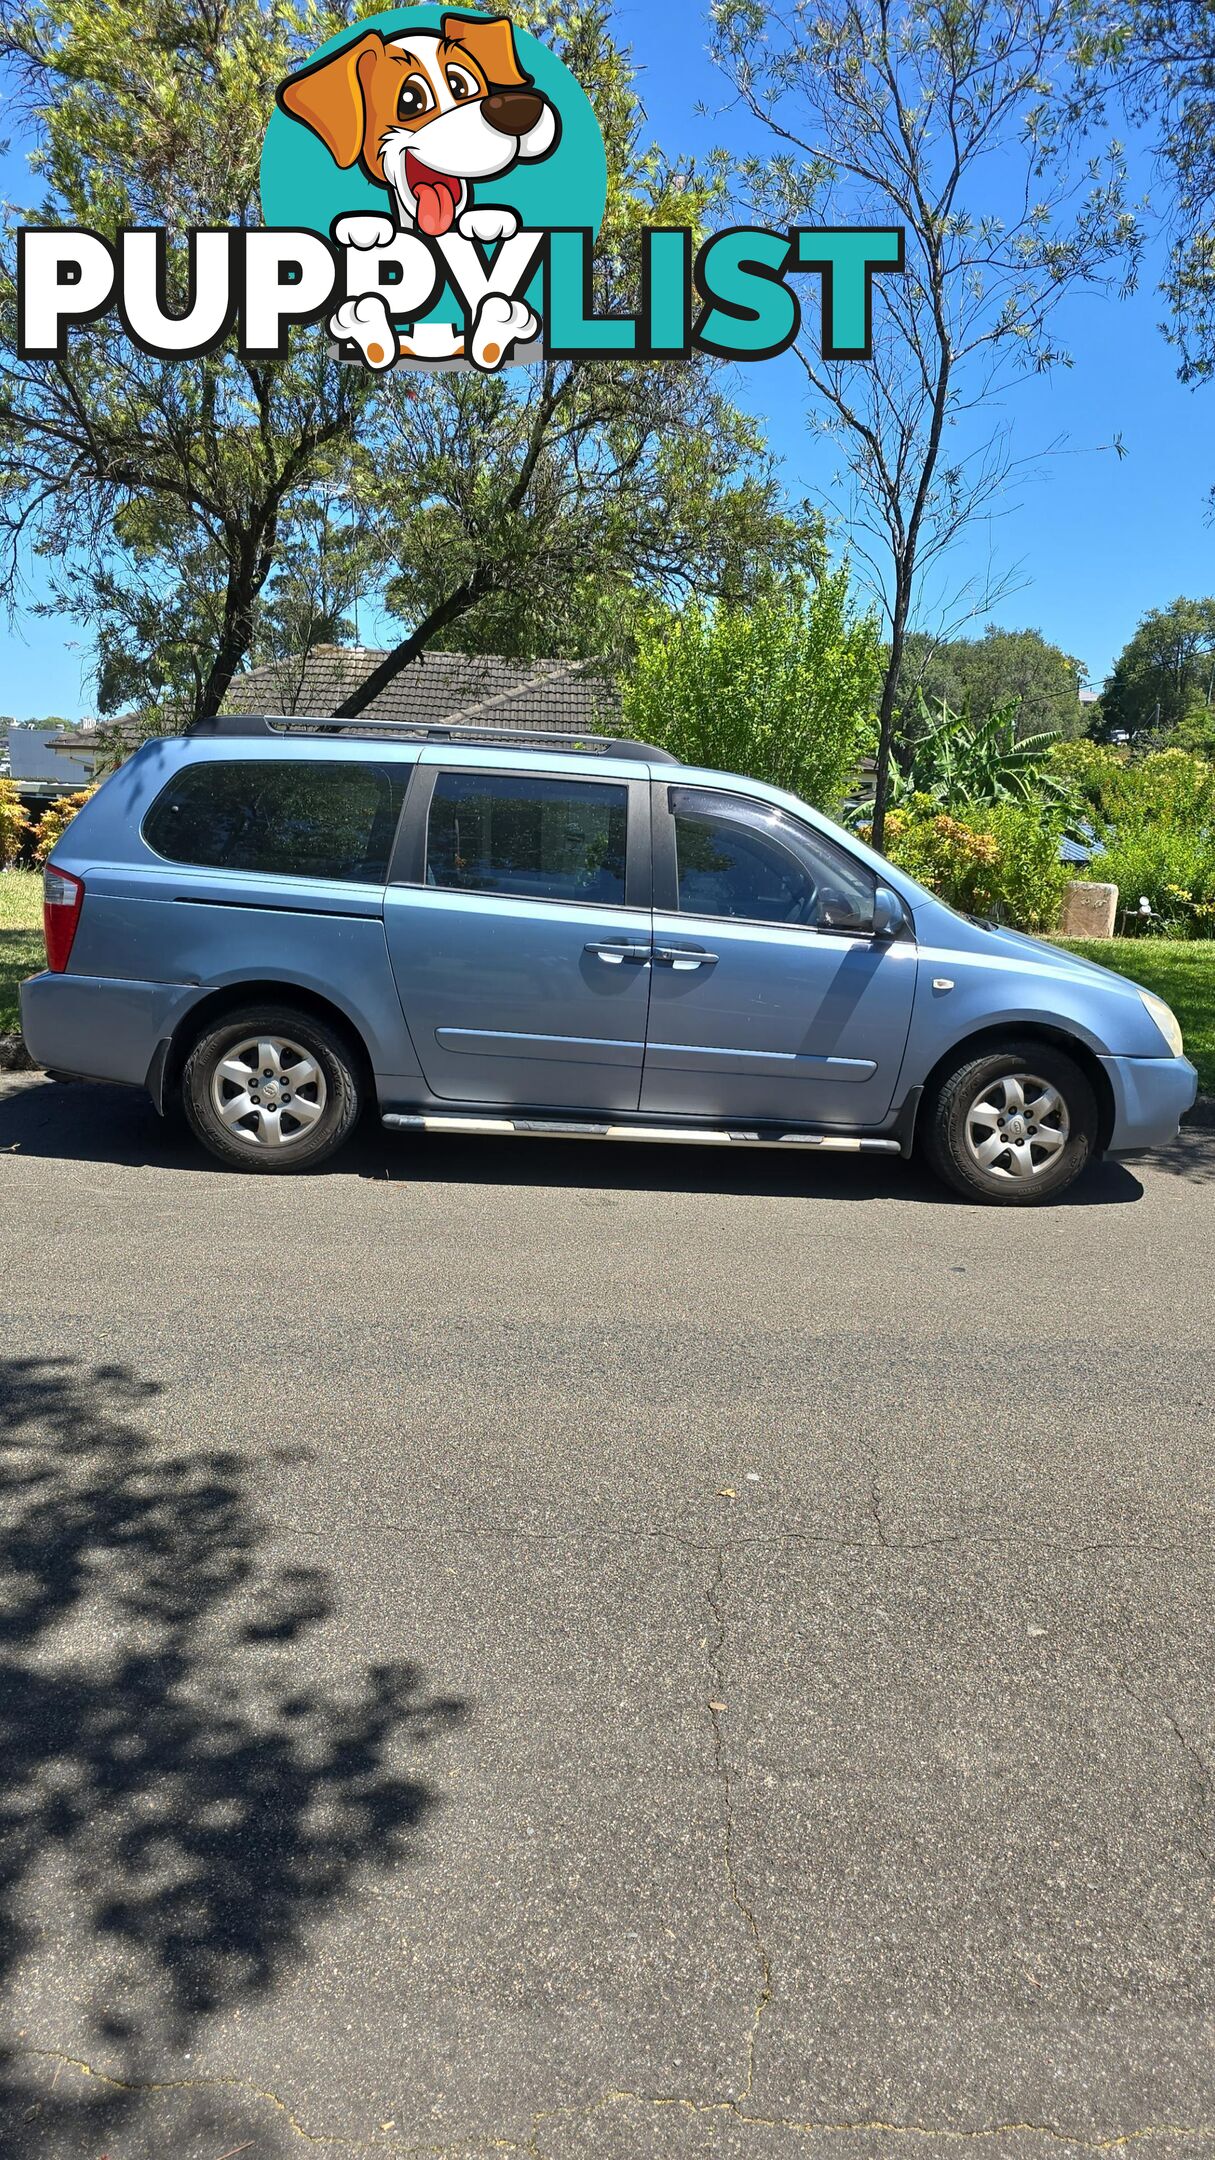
(1191, 1156)
(171, 1777)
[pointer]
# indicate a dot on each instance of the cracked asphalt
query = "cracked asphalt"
(600, 1654)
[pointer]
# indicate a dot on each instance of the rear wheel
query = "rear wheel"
(1012, 1126)
(271, 1089)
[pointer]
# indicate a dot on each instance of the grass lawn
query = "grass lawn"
(1180, 971)
(21, 947)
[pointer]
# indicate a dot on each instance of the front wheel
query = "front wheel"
(271, 1089)
(1012, 1126)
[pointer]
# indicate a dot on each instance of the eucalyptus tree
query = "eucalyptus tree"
(949, 118)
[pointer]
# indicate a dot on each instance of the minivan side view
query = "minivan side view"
(276, 923)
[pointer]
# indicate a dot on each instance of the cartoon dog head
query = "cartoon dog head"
(426, 113)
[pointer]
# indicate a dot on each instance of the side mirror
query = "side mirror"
(888, 913)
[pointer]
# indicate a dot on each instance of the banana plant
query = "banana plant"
(961, 764)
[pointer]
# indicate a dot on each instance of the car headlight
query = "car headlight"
(1166, 1021)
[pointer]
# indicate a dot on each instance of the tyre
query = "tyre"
(270, 1088)
(1012, 1126)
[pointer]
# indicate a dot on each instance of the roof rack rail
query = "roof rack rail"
(455, 731)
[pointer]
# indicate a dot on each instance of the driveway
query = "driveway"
(601, 1654)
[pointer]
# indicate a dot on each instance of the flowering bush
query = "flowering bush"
(14, 823)
(1173, 868)
(54, 822)
(1175, 787)
(1001, 860)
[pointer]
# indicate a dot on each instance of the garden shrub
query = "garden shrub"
(1172, 867)
(1001, 859)
(14, 824)
(1155, 817)
(1175, 786)
(54, 822)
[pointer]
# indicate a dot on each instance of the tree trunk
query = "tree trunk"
(890, 687)
(457, 603)
(246, 578)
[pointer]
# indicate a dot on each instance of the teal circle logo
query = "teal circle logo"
(434, 124)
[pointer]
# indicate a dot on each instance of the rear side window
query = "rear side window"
(531, 839)
(295, 819)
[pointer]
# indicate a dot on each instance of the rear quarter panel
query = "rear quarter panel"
(145, 920)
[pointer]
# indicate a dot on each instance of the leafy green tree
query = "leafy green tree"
(157, 492)
(947, 117)
(1000, 668)
(1165, 677)
(173, 503)
(596, 599)
(784, 690)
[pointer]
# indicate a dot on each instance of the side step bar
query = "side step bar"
(579, 1129)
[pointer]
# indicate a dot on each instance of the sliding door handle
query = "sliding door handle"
(602, 949)
(684, 956)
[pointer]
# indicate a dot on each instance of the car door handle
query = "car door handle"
(684, 956)
(615, 954)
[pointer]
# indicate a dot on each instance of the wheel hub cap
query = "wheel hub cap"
(1016, 1126)
(268, 1092)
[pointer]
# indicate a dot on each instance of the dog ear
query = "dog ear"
(328, 98)
(492, 45)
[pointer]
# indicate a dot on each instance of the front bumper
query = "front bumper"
(1151, 1095)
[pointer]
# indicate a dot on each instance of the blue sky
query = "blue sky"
(1099, 539)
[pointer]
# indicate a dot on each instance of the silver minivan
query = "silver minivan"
(277, 923)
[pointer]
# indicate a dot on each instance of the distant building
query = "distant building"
(48, 759)
(551, 696)
(483, 689)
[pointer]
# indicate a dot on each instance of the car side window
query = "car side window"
(528, 838)
(294, 817)
(738, 859)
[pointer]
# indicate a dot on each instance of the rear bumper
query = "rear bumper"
(97, 1028)
(1151, 1095)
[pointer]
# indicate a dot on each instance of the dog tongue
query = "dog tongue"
(436, 208)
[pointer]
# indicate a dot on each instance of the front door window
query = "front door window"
(740, 861)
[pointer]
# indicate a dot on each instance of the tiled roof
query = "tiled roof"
(561, 695)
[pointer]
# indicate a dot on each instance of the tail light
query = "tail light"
(62, 898)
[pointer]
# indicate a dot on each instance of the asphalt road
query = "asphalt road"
(601, 1654)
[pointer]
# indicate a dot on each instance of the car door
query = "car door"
(518, 923)
(771, 996)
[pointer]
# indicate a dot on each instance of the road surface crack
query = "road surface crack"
(463, 2148)
(1160, 1712)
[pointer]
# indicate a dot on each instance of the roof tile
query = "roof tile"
(561, 695)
